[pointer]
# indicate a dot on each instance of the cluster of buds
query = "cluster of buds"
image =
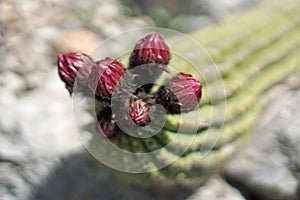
(180, 94)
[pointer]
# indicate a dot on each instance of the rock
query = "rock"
(109, 11)
(27, 8)
(142, 21)
(111, 29)
(39, 43)
(220, 9)
(202, 13)
(2, 35)
(11, 82)
(81, 40)
(216, 189)
(34, 134)
(187, 23)
(109, 20)
(38, 55)
(267, 168)
(8, 61)
(8, 12)
(190, 11)
(34, 79)
(14, 153)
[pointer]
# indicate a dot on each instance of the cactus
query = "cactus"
(255, 52)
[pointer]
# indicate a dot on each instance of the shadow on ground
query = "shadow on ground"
(78, 178)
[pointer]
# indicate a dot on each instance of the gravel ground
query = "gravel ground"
(41, 156)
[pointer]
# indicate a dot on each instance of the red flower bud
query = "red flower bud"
(181, 94)
(150, 49)
(139, 111)
(105, 124)
(74, 65)
(104, 77)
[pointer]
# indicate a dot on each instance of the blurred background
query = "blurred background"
(41, 156)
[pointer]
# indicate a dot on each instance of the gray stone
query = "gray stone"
(8, 13)
(221, 8)
(268, 166)
(216, 189)
(187, 23)
(8, 61)
(35, 131)
(11, 81)
(39, 43)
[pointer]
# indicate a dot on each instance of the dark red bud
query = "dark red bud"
(74, 65)
(139, 112)
(105, 125)
(150, 49)
(181, 94)
(105, 76)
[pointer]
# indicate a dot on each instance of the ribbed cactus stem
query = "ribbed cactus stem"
(255, 51)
